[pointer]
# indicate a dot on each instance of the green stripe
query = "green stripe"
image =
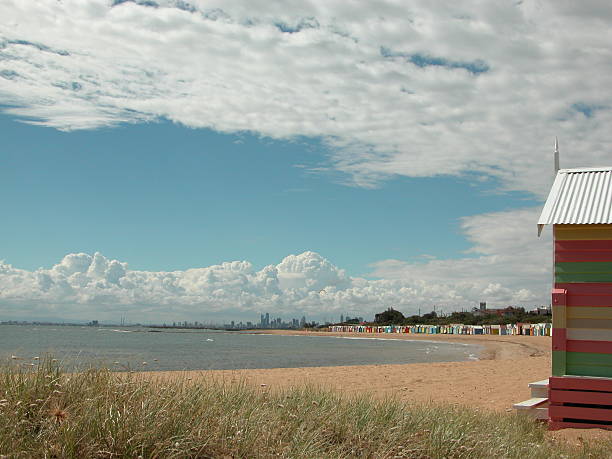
(590, 271)
(558, 363)
(588, 364)
(583, 277)
(584, 267)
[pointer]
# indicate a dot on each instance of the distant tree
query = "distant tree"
(390, 316)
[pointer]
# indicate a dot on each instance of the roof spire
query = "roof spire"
(556, 155)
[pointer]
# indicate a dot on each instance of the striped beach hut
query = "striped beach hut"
(579, 208)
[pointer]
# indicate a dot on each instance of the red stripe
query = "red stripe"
(598, 347)
(583, 245)
(561, 382)
(595, 300)
(576, 251)
(559, 297)
(572, 396)
(577, 256)
(559, 339)
(587, 294)
(575, 412)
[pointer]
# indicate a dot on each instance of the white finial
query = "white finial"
(556, 155)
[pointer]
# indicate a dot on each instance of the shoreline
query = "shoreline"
(497, 380)
(495, 347)
(494, 383)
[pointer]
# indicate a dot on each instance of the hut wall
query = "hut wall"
(582, 300)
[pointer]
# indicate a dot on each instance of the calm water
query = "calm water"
(199, 350)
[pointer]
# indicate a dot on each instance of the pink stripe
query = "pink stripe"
(597, 347)
(559, 339)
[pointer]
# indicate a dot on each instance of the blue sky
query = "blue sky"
(309, 158)
(164, 197)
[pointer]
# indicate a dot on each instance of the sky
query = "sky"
(206, 160)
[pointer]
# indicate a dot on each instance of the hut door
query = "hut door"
(559, 332)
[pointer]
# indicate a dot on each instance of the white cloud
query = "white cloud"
(509, 265)
(317, 68)
(418, 89)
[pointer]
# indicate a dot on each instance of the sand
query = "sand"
(496, 381)
(500, 378)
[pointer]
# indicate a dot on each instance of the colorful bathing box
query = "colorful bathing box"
(543, 329)
(579, 208)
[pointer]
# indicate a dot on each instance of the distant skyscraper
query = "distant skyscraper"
(341, 318)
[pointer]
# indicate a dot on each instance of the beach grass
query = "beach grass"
(101, 414)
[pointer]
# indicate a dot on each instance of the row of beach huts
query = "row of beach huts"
(543, 329)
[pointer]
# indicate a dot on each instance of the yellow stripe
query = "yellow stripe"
(583, 232)
(559, 316)
(586, 312)
(590, 323)
(589, 334)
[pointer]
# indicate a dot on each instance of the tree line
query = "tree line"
(511, 315)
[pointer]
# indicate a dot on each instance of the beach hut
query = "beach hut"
(579, 208)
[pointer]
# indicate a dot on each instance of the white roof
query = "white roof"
(579, 196)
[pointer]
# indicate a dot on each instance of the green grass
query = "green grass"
(100, 414)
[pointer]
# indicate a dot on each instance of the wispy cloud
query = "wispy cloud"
(463, 87)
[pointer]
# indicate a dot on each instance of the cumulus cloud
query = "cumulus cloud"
(417, 89)
(507, 264)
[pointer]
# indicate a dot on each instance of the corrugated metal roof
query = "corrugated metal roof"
(579, 196)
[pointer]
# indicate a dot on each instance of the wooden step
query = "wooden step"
(530, 404)
(539, 388)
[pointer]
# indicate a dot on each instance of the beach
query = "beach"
(499, 378)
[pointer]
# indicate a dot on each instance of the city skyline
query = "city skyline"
(216, 160)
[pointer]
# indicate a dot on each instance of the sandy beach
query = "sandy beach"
(497, 380)
(500, 378)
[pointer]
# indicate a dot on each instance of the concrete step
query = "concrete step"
(543, 383)
(539, 389)
(530, 404)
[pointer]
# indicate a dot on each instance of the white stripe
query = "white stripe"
(589, 334)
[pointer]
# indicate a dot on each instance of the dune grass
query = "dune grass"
(100, 414)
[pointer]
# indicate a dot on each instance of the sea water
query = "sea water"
(128, 348)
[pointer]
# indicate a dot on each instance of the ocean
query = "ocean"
(146, 349)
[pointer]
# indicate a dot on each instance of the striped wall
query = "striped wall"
(582, 300)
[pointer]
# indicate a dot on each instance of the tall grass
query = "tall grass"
(100, 414)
